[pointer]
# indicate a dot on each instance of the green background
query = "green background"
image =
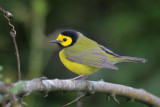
(130, 28)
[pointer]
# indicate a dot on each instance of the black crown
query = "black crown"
(70, 33)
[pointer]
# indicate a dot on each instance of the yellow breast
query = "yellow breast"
(76, 67)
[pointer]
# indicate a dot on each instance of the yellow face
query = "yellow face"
(64, 40)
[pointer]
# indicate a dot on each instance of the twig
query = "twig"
(8, 16)
(115, 99)
(79, 102)
(77, 99)
(113, 96)
(36, 85)
(17, 54)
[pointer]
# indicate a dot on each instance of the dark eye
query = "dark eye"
(65, 39)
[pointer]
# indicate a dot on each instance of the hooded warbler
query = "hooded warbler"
(84, 56)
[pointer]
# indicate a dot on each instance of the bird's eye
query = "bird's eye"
(65, 39)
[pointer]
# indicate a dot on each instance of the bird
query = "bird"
(85, 56)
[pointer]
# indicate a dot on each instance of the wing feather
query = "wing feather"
(94, 56)
(108, 51)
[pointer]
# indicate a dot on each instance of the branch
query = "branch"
(38, 85)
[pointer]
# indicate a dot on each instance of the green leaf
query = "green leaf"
(1, 67)
(16, 88)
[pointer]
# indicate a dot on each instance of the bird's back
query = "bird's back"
(83, 43)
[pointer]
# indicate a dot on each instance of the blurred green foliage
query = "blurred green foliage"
(17, 87)
(1, 97)
(1, 68)
(126, 27)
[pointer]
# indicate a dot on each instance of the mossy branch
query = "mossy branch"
(38, 85)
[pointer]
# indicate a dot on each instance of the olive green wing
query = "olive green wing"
(94, 56)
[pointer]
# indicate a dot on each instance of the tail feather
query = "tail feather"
(132, 59)
(127, 59)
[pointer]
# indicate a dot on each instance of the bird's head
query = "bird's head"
(66, 38)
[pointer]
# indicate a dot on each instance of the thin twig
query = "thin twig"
(77, 99)
(79, 102)
(115, 99)
(18, 59)
(8, 16)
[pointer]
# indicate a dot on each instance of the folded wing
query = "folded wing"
(94, 56)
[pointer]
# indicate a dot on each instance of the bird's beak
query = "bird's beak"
(55, 41)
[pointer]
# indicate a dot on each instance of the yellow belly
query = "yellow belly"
(76, 67)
